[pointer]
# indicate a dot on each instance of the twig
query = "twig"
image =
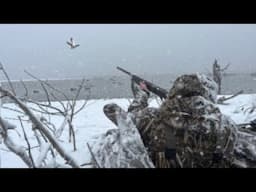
(26, 139)
(71, 128)
(84, 164)
(40, 105)
(46, 93)
(44, 148)
(226, 67)
(40, 131)
(48, 84)
(55, 89)
(82, 107)
(61, 103)
(84, 104)
(43, 111)
(39, 141)
(7, 77)
(51, 129)
(75, 99)
(59, 131)
(94, 159)
(25, 87)
(222, 99)
(42, 127)
(4, 107)
(69, 133)
(2, 96)
(72, 133)
(10, 118)
(48, 124)
(33, 147)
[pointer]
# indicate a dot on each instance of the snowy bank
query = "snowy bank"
(91, 122)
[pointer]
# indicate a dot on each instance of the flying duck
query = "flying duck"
(72, 44)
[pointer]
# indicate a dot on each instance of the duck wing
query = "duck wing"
(77, 45)
(70, 44)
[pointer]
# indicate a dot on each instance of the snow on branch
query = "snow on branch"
(122, 147)
(42, 128)
(11, 145)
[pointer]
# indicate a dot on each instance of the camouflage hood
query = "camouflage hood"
(194, 85)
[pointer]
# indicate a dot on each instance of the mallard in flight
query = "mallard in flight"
(72, 44)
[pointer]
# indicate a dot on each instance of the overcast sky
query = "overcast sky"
(140, 48)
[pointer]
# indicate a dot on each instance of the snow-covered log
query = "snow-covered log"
(122, 147)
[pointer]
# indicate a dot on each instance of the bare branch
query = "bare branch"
(12, 146)
(48, 124)
(8, 108)
(71, 128)
(43, 111)
(46, 93)
(39, 140)
(34, 147)
(226, 67)
(82, 107)
(26, 139)
(61, 103)
(84, 164)
(37, 110)
(93, 157)
(2, 96)
(40, 105)
(42, 127)
(75, 99)
(51, 129)
(44, 148)
(72, 132)
(7, 77)
(10, 118)
(66, 109)
(222, 99)
(25, 87)
(48, 84)
(59, 131)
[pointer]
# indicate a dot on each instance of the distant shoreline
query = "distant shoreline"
(118, 86)
(121, 75)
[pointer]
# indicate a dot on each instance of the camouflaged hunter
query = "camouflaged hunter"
(188, 130)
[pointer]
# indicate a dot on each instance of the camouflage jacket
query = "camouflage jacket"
(188, 120)
(143, 117)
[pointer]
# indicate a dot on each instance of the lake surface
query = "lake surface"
(117, 86)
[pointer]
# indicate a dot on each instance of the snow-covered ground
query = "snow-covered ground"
(91, 122)
(238, 108)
